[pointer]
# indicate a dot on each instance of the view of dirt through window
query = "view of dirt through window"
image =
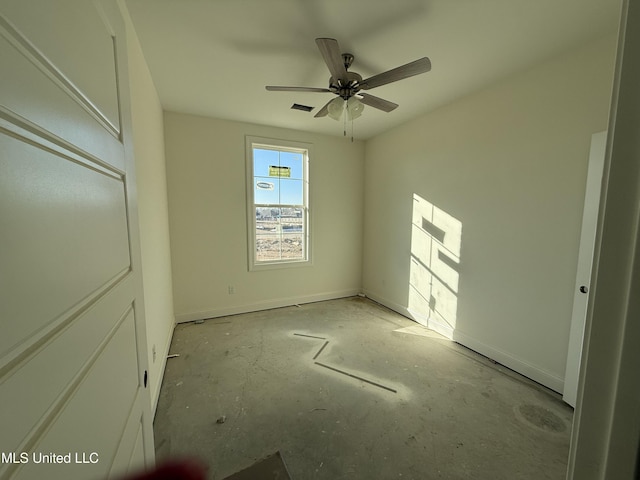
(279, 234)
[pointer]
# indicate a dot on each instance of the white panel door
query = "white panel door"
(73, 396)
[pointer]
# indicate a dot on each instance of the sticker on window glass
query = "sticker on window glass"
(275, 171)
(265, 185)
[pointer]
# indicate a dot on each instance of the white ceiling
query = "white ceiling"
(214, 57)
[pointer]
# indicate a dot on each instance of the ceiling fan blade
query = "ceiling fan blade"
(330, 51)
(272, 88)
(324, 110)
(416, 67)
(377, 102)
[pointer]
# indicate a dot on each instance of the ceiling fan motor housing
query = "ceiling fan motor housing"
(346, 88)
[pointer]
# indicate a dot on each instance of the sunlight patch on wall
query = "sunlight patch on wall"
(436, 239)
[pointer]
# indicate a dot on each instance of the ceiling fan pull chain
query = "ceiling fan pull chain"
(344, 116)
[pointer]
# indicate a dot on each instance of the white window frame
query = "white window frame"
(252, 142)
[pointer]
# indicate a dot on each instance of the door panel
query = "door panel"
(37, 96)
(87, 66)
(131, 459)
(107, 389)
(57, 366)
(73, 348)
(56, 214)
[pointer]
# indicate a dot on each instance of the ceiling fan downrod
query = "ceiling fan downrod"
(347, 58)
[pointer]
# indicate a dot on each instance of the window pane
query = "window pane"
(292, 225)
(266, 190)
(267, 220)
(292, 246)
(268, 234)
(291, 192)
(268, 248)
(290, 222)
(261, 161)
(293, 161)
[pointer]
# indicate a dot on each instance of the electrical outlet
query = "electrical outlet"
(232, 289)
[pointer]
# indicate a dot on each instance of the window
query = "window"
(278, 213)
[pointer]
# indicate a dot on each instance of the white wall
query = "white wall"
(510, 164)
(148, 139)
(208, 224)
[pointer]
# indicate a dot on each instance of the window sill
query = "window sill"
(255, 267)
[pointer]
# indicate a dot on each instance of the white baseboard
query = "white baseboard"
(533, 372)
(548, 379)
(431, 323)
(396, 307)
(265, 305)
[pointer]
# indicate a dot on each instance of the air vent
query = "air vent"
(304, 108)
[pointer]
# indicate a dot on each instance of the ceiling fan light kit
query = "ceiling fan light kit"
(348, 85)
(352, 108)
(335, 108)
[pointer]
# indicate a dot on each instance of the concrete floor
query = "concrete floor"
(422, 408)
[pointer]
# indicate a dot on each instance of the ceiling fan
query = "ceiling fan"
(348, 85)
